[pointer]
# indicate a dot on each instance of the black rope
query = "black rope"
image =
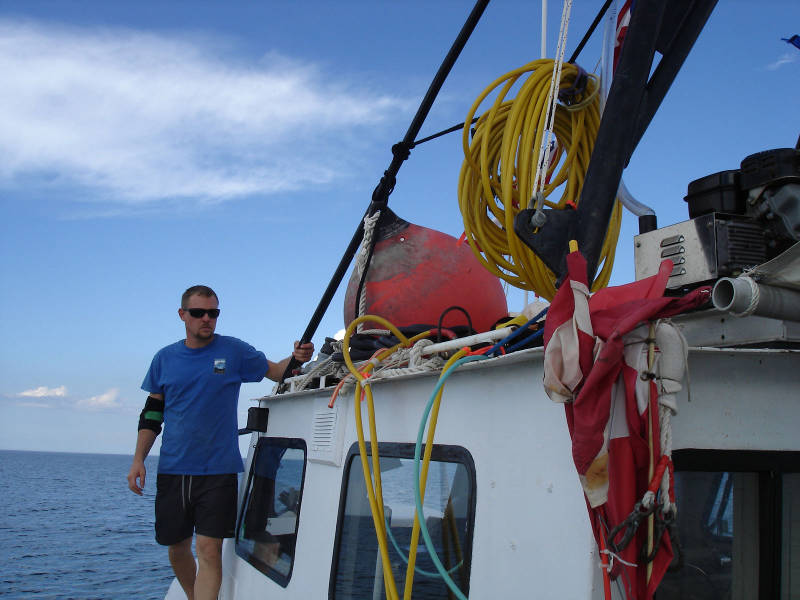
(442, 316)
(444, 132)
(569, 95)
(589, 32)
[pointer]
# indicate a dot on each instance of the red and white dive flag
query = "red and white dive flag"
(623, 20)
(592, 366)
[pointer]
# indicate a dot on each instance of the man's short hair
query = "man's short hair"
(197, 290)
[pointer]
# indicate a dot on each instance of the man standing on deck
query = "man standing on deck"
(194, 388)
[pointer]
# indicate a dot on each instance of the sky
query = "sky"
(149, 146)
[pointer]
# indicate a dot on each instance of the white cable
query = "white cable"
(471, 340)
(555, 82)
(631, 203)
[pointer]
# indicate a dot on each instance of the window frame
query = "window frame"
(439, 453)
(769, 466)
(288, 443)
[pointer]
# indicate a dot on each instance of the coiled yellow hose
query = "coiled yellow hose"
(499, 168)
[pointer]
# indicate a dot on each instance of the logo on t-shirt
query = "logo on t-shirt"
(219, 365)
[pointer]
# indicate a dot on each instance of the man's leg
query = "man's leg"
(182, 561)
(174, 529)
(214, 498)
(209, 571)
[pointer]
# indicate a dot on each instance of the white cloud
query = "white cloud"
(137, 118)
(785, 59)
(103, 401)
(44, 392)
(35, 404)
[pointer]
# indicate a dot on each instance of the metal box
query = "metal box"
(701, 249)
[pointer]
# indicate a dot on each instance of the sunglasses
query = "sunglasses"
(199, 313)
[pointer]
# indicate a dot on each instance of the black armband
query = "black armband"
(152, 415)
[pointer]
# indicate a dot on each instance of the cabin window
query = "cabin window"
(738, 526)
(267, 530)
(449, 507)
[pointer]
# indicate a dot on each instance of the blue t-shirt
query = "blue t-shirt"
(201, 393)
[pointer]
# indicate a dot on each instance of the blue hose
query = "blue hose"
(426, 536)
(527, 340)
(516, 333)
(404, 558)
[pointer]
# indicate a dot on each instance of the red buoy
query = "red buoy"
(417, 273)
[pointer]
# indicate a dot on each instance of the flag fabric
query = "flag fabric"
(568, 336)
(623, 20)
(595, 351)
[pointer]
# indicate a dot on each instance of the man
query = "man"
(194, 389)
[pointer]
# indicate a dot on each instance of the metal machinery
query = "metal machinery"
(738, 219)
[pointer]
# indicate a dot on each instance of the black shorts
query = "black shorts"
(202, 504)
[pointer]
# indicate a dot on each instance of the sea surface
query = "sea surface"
(71, 529)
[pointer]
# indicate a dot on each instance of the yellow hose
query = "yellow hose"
(374, 491)
(499, 168)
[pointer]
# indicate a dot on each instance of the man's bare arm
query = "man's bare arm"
(302, 353)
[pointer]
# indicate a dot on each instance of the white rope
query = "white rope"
(409, 360)
(415, 357)
(388, 373)
(648, 499)
(665, 424)
(404, 361)
(375, 331)
(755, 296)
(323, 368)
(666, 410)
(552, 96)
(361, 261)
(612, 557)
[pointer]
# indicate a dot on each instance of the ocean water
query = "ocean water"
(71, 529)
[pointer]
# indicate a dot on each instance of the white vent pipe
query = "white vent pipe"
(742, 296)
